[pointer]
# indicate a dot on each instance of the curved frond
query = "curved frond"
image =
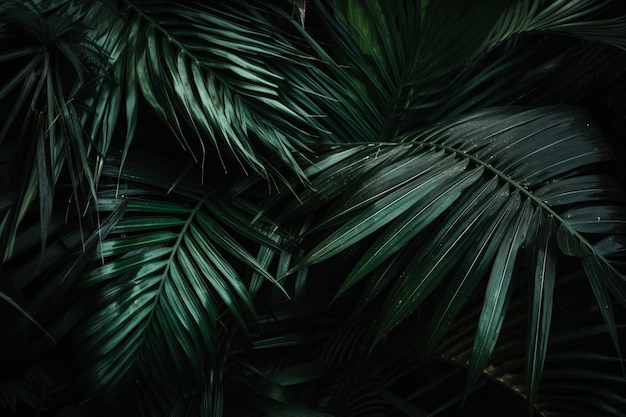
(575, 362)
(421, 61)
(527, 183)
(217, 83)
(170, 286)
(579, 19)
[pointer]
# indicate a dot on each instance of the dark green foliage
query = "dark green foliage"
(312, 208)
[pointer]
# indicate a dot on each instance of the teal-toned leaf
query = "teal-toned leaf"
(497, 297)
(122, 246)
(597, 219)
(543, 278)
(126, 264)
(604, 281)
(581, 188)
(231, 246)
(436, 198)
(131, 88)
(142, 224)
(476, 264)
(571, 244)
(613, 245)
(379, 214)
(45, 180)
(395, 168)
(426, 271)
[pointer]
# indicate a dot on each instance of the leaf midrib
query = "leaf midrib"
(523, 190)
(164, 274)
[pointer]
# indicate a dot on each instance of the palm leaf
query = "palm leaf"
(442, 72)
(47, 88)
(543, 289)
(426, 231)
(167, 292)
(561, 16)
(511, 171)
(573, 361)
(219, 83)
(171, 281)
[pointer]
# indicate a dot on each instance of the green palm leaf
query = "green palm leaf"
(541, 312)
(574, 359)
(175, 274)
(48, 89)
(219, 86)
(508, 170)
(166, 289)
(432, 75)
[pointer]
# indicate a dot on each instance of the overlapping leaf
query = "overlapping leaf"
(168, 285)
(432, 219)
(219, 85)
(432, 75)
(50, 64)
(470, 192)
(580, 376)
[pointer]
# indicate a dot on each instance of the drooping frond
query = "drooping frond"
(462, 204)
(221, 76)
(170, 286)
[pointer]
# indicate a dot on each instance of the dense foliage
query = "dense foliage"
(312, 208)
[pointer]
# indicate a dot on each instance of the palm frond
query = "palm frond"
(171, 284)
(581, 19)
(404, 203)
(242, 214)
(435, 74)
(217, 83)
(49, 64)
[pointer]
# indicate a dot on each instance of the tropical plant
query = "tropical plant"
(312, 208)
